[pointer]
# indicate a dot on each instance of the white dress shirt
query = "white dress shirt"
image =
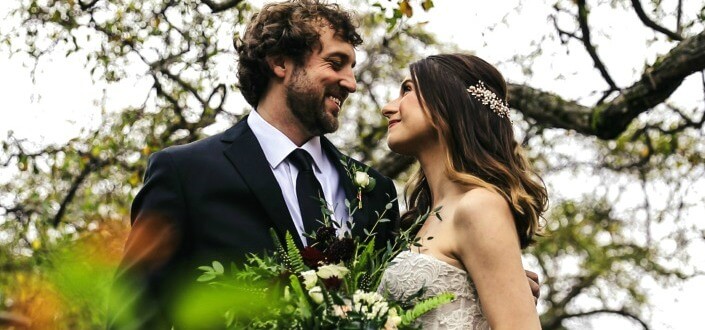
(277, 147)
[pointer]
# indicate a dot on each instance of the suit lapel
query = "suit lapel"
(245, 153)
(360, 218)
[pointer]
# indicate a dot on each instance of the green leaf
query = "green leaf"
(371, 185)
(206, 277)
(218, 267)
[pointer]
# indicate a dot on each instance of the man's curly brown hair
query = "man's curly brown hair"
(291, 29)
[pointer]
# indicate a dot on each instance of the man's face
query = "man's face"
(317, 89)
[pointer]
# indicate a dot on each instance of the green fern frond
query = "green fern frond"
(297, 263)
(425, 306)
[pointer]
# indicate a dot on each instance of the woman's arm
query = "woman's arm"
(486, 242)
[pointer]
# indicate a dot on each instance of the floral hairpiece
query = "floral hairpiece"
(487, 97)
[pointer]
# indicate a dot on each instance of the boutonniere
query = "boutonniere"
(360, 179)
(363, 182)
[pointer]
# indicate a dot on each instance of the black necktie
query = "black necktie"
(308, 190)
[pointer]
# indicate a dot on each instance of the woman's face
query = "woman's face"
(410, 127)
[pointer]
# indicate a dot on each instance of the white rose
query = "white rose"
(362, 179)
(393, 320)
(309, 279)
(328, 271)
(316, 294)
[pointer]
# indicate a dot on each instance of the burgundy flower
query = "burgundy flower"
(312, 257)
(324, 235)
(341, 250)
(332, 283)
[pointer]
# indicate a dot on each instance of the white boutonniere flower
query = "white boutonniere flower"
(364, 183)
(362, 179)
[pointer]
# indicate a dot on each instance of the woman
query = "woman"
(451, 115)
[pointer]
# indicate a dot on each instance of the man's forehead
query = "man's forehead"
(333, 44)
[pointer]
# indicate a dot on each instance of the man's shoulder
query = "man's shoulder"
(193, 149)
(203, 150)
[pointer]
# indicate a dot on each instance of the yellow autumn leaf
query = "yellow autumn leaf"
(405, 8)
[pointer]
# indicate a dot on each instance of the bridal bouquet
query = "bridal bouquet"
(330, 284)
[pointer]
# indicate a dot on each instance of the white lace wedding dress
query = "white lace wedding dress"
(409, 272)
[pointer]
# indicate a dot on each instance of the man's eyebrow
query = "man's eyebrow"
(342, 56)
(406, 81)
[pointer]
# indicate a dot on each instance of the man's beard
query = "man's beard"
(307, 103)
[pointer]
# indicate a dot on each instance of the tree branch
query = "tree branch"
(648, 22)
(393, 164)
(217, 7)
(679, 17)
(621, 312)
(585, 29)
(609, 120)
(563, 33)
(90, 166)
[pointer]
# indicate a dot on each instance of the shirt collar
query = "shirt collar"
(277, 146)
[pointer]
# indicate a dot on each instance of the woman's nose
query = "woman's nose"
(390, 108)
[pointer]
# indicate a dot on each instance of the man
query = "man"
(217, 198)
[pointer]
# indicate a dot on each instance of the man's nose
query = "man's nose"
(348, 82)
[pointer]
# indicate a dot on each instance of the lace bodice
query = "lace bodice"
(409, 272)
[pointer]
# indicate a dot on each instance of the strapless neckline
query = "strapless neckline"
(434, 259)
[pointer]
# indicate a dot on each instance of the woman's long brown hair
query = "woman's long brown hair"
(481, 149)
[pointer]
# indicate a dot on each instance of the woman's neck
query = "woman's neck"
(433, 165)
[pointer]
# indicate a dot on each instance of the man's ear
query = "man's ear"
(278, 65)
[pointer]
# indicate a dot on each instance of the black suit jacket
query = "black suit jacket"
(214, 199)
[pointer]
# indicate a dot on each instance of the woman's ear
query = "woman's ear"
(278, 65)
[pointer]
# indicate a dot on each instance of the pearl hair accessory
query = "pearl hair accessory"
(489, 98)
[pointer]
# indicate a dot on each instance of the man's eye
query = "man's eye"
(405, 89)
(336, 64)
